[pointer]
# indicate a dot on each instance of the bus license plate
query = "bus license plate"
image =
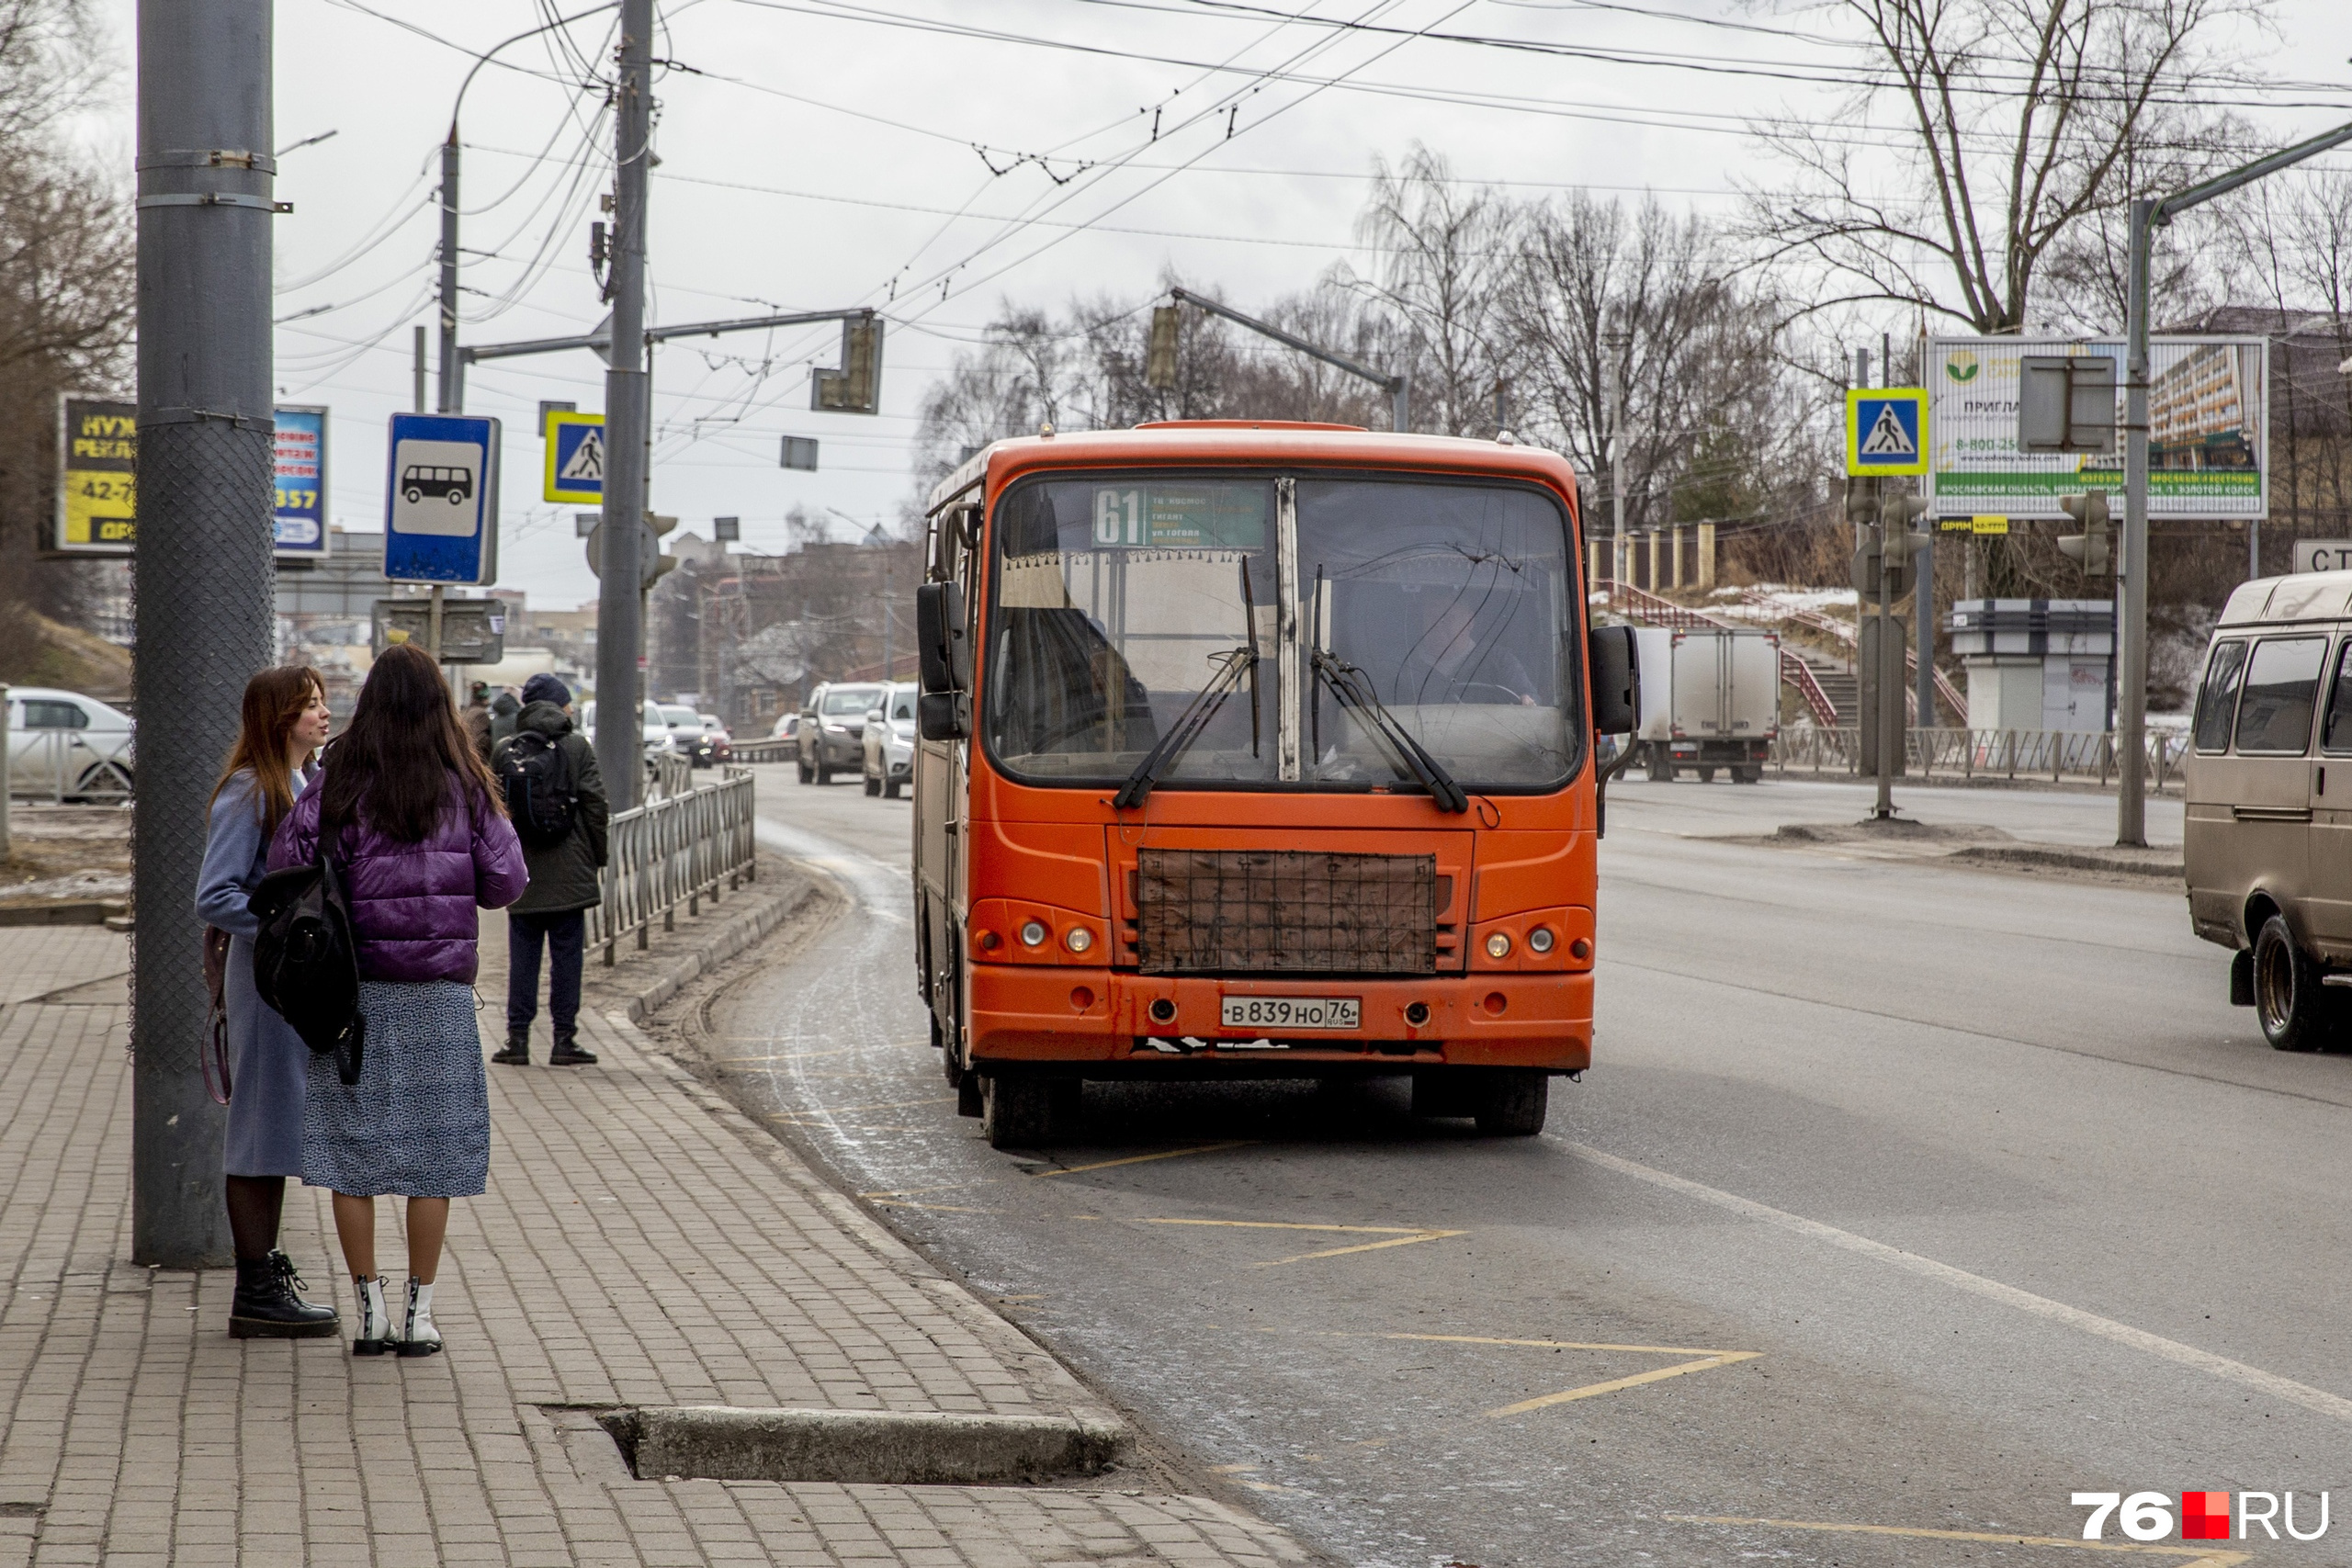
(1293, 1012)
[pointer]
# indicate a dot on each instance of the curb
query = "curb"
(656, 982)
(2071, 860)
(712, 1443)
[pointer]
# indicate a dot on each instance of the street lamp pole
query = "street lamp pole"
(2131, 701)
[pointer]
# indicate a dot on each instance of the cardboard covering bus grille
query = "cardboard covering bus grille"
(1243, 911)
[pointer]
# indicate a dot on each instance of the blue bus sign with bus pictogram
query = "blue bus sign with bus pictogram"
(441, 499)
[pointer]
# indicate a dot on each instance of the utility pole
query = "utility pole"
(452, 395)
(628, 422)
(417, 402)
(203, 580)
(1618, 562)
(2131, 701)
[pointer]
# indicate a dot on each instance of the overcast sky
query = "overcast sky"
(820, 154)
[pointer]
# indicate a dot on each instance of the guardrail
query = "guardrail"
(2057, 755)
(675, 849)
(59, 765)
(769, 751)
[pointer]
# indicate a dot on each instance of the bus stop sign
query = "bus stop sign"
(441, 499)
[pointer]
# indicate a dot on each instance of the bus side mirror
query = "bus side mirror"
(939, 627)
(1616, 680)
(943, 716)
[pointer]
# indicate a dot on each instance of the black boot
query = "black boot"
(269, 1305)
(566, 1052)
(518, 1049)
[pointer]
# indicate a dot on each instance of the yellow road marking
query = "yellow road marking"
(1144, 1159)
(1539, 1344)
(2201, 1556)
(1401, 1236)
(1721, 1359)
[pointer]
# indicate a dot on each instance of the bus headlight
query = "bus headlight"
(1032, 933)
(1078, 939)
(1498, 946)
(1540, 939)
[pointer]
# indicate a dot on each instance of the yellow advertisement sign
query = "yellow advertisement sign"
(98, 461)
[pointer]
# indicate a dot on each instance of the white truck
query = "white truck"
(1711, 698)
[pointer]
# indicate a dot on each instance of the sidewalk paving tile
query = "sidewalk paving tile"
(640, 1243)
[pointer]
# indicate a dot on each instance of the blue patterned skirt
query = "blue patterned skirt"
(417, 1122)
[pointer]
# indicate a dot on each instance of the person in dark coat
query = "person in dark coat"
(565, 884)
(285, 723)
(412, 815)
(504, 708)
(477, 719)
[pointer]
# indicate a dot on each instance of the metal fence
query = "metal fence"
(768, 750)
(60, 765)
(675, 849)
(2053, 755)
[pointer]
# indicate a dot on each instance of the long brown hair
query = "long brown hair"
(274, 703)
(391, 764)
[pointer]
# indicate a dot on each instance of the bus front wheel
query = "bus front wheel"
(1016, 1113)
(1511, 1102)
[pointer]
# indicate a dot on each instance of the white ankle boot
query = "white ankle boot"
(417, 1335)
(373, 1335)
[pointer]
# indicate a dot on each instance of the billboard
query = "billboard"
(98, 462)
(2209, 453)
(302, 506)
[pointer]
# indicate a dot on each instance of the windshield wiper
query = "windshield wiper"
(1353, 690)
(1188, 726)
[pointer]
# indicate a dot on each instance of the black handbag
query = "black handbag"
(306, 959)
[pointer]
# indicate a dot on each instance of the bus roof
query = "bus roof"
(1213, 443)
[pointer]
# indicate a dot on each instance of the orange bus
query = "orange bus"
(1255, 750)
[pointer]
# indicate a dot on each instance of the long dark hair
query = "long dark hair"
(391, 767)
(274, 703)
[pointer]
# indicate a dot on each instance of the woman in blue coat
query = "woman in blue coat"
(285, 723)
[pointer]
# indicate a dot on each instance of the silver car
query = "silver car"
(889, 739)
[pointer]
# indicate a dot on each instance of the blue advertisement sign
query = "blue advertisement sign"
(441, 499)
(302, 510)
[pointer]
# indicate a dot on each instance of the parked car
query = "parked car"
(889, 739)
(833, 728)
(65, 745)
(658, 739)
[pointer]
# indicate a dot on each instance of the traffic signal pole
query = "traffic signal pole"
(1399, 386)
(204, 581)
(2131, 701)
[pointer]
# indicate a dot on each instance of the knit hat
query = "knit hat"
(546, 689)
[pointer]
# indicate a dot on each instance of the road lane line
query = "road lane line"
(2201, 1556)
(2317, 1400)
(1400, 1235)
(1594, 1389)
(1144, 1159)
(1535, 1344)
(1368, 1246)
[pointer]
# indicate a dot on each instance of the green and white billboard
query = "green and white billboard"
(2209, 438)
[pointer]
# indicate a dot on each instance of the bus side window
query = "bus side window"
(2217, 700)
(2336, 730)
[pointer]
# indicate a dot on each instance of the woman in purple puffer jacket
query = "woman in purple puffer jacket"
(414, 820)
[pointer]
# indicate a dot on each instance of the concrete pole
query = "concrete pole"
(2131, 695)
(203, 581)
(1616, 373)
(452, 400)
(1923, 611)
(1400, 402)
(1674, 561)
(620, 608)
(417, 401)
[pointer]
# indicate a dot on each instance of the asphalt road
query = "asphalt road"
(1900, 1196)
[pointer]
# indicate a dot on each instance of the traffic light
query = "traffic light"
(2091, 548)
(1899, 542)
(856, 386)
(1159, 359)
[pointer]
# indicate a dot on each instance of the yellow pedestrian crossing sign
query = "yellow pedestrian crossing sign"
(1886, 431)
(576, 470)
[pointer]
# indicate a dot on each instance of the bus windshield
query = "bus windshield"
(1272, 630)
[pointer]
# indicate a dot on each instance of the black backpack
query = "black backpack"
(538, 784)
(306, 959)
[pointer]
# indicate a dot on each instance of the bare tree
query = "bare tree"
(1444, 249)
(2019, 119)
